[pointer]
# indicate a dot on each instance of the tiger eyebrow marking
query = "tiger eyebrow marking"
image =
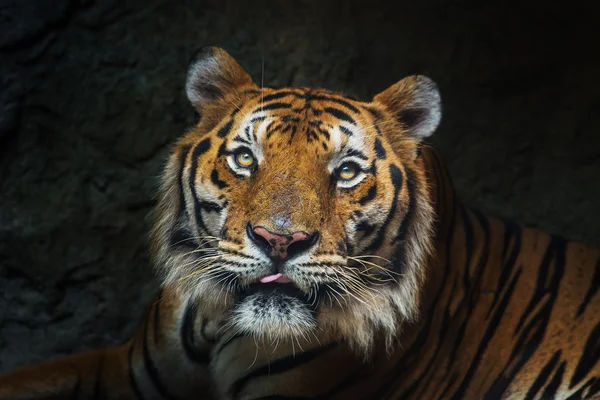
(241, 140)
(339, 114)
(224, 131)
(345, 130)
(280, 95)
(257, 119)
(356, 153)
(272, 106)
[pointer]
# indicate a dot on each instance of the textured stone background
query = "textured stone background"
(91, 96)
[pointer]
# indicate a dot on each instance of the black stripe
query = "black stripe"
(356, 153)
(272, 128)
(556, 249)
(200, 149)
(151, 369)
(591, 291)
(214, 178)
(242, 140)
(247, 133)
(339, 114)
(132, 382)
(339, 101)
(543, 376)
(187, 336)
(483, 344)
(272, 106)
(376, 115)
(411, 188)
(530, 334)
(345, 130)
(178, 237)
(366, 227)
(223, 150)
(379, 150)
(595, 388)
(512, 235)
(589, 357)
(578, 395)
(225, 129)
(280, 366)
(371, 193)
(210, 206)
(397, 178)
(259, 119)
(323, 132)
(182, 159)
(235, 112)
(280, 95)
(550, 392)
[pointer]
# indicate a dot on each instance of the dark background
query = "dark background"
(91, 97)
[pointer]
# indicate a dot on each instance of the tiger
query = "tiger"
(311, 245)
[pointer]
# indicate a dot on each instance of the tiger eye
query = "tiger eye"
(347, 171)
(244, 159)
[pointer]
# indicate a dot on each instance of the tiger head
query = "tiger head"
(296, 211)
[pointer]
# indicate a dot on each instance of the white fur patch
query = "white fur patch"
(272, 316)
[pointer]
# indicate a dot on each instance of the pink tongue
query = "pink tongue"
(279, 278)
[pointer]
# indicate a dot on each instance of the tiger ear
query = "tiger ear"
(416, 103)
(212, 74)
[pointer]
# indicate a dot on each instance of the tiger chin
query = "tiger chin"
(293, 214)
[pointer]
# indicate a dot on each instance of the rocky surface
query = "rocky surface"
(91, 96)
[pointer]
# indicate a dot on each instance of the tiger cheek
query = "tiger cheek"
(237, 199)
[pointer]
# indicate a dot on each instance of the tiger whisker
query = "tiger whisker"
(202, 261)
(377, 266)
(204, 274)
(375, 278)
(372, 256)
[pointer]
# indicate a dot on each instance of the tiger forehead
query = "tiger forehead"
(313, 114)
(304, 99)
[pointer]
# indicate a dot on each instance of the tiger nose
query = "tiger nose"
(281, 247)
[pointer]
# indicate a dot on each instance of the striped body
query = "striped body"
(312, 247)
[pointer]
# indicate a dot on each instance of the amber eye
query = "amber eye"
(244, 158)
(347, 171)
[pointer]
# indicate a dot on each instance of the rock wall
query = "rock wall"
(91, 97)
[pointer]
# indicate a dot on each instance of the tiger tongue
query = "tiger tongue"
(279, 278)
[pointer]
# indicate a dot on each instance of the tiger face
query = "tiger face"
(294, 212)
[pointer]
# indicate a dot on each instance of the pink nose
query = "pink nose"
(279, 246)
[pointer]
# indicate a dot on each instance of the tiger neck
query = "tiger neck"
(461, 246)
(464, 265)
